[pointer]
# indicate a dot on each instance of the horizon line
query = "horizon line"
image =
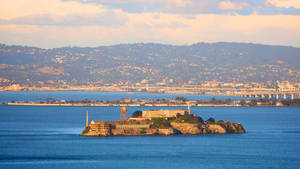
(158, 43)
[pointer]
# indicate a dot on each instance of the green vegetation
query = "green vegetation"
(181, 99)
(143, 132)
(230, 129)
(160, 123)
(86, 129)
(211, 120)
(189, 118)
(215, 101)
(228, 126)
(137, 114)
(165, 122)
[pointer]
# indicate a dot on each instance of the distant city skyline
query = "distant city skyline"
(58, 23)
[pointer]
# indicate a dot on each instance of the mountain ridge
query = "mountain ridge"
(153, 62)
(145, 43)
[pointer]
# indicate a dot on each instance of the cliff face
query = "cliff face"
(167, 132)
(184, 128)
(208, 128)
(215, 129)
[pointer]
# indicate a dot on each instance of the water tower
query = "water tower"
(123, 115)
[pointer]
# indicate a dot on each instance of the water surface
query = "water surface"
(48, 137)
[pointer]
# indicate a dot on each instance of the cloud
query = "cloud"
(162, 28)
(59, 13)
(230, 6)
(55, 23)
(19, 8)
(2, 21)
(165, 6)
(194, 7)
(109, 18)
(284, 3)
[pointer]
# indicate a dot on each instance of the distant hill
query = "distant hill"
(225, 62)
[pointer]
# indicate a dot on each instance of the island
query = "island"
(159, 122)
(177, 102)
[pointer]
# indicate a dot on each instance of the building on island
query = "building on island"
(162, 113)
(99, 127)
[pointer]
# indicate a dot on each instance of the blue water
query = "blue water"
(6, 97)
(47, 137)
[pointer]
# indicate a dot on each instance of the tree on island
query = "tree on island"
(253, 102)
(189, 118)
(181, 99)
(242, 102)
(211, 120)
(137, 114)
(228, 101)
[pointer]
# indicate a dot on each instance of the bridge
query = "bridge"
(270, 94)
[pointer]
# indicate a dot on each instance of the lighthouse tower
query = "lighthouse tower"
(189, 107)
(87, 117)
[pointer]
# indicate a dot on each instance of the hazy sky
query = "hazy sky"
(57, 23)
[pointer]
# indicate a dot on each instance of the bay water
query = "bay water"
(33, 137)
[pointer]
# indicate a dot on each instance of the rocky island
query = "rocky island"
(160, 122)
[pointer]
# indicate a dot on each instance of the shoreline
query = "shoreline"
(136, 105)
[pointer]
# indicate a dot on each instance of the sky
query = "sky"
(89, 23)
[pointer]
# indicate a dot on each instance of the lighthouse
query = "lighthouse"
(189, 107)
(87, 117)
